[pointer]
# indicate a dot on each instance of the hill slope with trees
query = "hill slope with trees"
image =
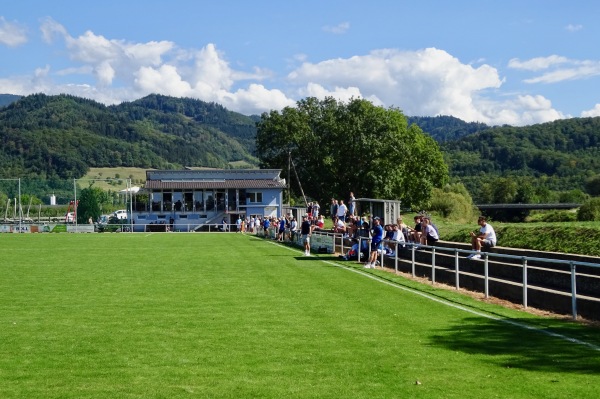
(557, 156)
(62, 136)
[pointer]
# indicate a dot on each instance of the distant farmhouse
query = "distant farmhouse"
(188, 200)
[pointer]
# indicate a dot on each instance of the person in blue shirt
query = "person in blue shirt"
(376, 242)
(281, 232)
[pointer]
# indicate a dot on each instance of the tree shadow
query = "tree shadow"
(518, 347)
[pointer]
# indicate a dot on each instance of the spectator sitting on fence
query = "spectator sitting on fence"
(339, 226)
(429, 234)
(389, 232)
(485, 238)
(319, 223)
(403, 227)
(415, 233)
(352, 229)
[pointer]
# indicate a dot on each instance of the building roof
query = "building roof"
(213, 184)
(214, 179)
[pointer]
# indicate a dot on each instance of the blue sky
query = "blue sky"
(497, 62)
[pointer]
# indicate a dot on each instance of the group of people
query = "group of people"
(386, 239)
(345, 221)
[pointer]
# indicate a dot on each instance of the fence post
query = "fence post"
(486, 273)
(456, 272)
(525, 282)
(413, 260)
(433, 265)
(573, 291)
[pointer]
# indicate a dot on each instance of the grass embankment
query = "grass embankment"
(568, 237)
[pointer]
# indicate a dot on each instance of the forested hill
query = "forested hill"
(560, 154)
(444, 128)
(62, 136)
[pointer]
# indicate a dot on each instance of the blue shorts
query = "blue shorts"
(376, 246)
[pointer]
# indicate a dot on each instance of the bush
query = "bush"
(552, 216)
(452, 204)
(589, 211)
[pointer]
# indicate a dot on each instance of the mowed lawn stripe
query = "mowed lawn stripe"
(226, 315)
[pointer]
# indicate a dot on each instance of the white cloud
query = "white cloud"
(424, 82)
(591, 112)
(337, 29)
(559, 68)
(538, 63)
(580, 70)
(12, 34)
(574, 28)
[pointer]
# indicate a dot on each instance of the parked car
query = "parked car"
(121, 214)
(102, 220)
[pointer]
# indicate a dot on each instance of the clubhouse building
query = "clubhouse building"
(190, 200)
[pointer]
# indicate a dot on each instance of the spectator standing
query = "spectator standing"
(306, 231)
(376, 242)
(485, 238)
(315, 211)
(293, 229)
(342, 210)
(334, 208)
(351, 204)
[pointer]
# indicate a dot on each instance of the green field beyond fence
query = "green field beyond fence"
(233, 316)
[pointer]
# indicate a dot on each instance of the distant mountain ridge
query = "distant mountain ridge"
(6, 99)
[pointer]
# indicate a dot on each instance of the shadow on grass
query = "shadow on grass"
(514, 347)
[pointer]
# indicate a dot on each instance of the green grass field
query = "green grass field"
(232, 316)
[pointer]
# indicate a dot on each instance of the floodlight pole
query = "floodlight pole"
(74, 205)
(20, 209)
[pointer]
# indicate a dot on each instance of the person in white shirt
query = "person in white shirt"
(485, 238)
(341, 212)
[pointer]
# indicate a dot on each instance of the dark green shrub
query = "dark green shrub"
(590, 210)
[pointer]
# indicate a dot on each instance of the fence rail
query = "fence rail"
(409, 252)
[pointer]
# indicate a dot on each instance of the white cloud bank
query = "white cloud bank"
(426, 82)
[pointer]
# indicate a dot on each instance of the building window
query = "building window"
(254, 197)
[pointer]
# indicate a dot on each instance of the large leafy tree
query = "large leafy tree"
(90, 202)
(339, 147)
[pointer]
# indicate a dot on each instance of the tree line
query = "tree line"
(336, 147)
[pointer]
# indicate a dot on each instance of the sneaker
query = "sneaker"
(368, 266)
(476, 257)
